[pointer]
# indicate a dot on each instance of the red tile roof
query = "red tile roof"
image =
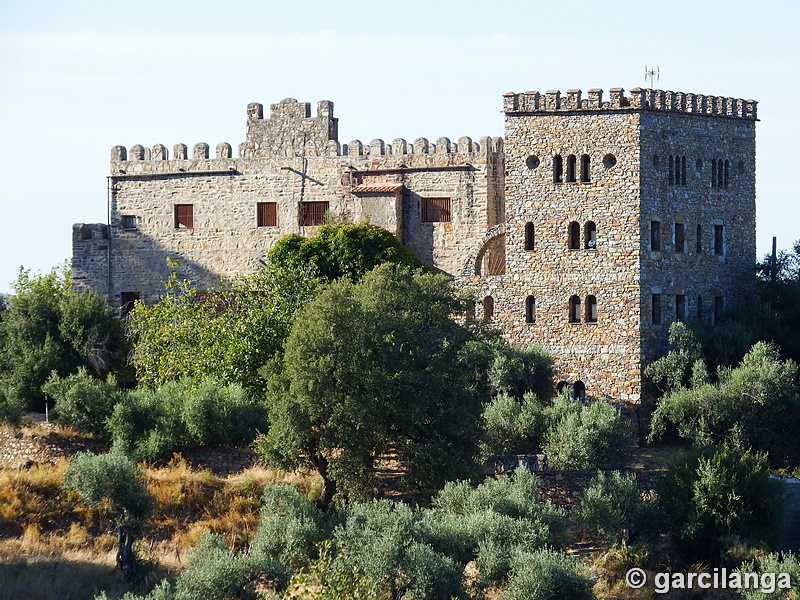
(389, 188)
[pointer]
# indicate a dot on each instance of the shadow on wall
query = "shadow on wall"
(139, 264)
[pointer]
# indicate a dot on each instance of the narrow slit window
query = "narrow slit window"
(671, 169)
(574, 309)
(655, 236)
(591, 309)
(656, 309)
(530, 309)
(558, 169)
(590, 235)
(586, 175)
(699, 242)
(719, 240)
(719, 307)
(574, 235)
(571, 168)
(488, 308)
(529, 236)
(680, 237)
(680, 307)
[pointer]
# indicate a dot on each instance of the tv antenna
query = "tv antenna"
(653, 73)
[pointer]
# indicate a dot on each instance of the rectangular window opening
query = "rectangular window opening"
(313, 213)
(129, 222)
(656, 309)
(184, 216)
(436, 210)
(655, 236)
(680, 237)
(267, 214)
(719, 241)
(680, 307)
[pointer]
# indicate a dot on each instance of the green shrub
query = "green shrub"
(712, 495)
(489, 523)
(384, 542)
(777, 564)
(512, 426)
(583, 436)
(215, 572)
(517, 371)
(83, 401)
(12, 407)
(547, 575)
(607, 502)
(290, 527)
(185, 413)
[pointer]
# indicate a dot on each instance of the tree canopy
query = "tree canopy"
(374, 367)
(47, 327)
(342, 250)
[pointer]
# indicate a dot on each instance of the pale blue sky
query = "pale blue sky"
(79, 77)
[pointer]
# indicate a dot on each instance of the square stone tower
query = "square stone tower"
(622, 215)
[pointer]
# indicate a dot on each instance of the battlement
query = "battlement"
(553, 101)
(143, 160)
(84, 232)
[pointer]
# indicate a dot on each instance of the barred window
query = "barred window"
(313, 213)
(267, 214)
(184, 216)
(436, 210)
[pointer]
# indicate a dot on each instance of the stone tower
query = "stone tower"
(621, 217)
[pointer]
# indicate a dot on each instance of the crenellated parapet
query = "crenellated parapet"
(638, 99)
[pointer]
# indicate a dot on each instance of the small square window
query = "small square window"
(267, 214)
(128, 222)
(184, 216)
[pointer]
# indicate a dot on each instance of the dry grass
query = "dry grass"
(51, 546)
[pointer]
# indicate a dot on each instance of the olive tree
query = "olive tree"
(115, 479)
(374, 367)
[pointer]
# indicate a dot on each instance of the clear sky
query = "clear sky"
(78, 77)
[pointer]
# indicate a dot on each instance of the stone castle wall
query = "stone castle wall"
(289, 159)
(560, 256)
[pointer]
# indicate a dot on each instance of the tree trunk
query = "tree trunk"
(320, 463)
(125, 558)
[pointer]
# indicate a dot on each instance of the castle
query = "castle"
(588, 228)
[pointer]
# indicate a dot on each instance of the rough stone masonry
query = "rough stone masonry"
(588, 228)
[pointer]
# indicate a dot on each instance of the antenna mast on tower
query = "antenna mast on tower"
(653, 73)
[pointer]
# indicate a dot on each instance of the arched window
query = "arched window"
(578, 390)
(591, 309)
(586, 175)
(574, 235)
(574, 310)
(529, 236)
(590, 235)
(560, 387)
(530, 309)
(470, 309)
(558, 169)
(571, 163)
(488, 308)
